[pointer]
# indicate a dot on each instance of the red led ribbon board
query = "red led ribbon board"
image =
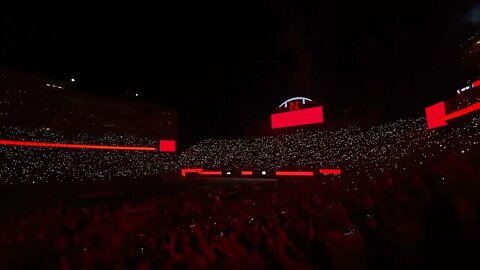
(210, 173)
(301, 117)
(293, 173)
(244, 173)
(330, 171)
(462, 112)
(185, 171)
(167, 146)
(200, 172)
(78, 146)
(436, 116)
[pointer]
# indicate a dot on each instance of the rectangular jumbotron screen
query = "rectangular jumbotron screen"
(301, 117)
(435, 114)
(167, 146)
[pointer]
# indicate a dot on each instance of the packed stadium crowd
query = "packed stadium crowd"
(392, 146)
(380, 148)
(418, 209)
(33, 165)
(419, 219)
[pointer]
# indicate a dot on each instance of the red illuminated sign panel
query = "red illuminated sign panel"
(167, 146)
(300, 117)
(435, 114)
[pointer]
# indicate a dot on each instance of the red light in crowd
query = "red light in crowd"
(331, 171)
(308, 116)
(185, 171)
(461, 112)
(247, 173)
(210, 172)
(167, 146)
(476, 83)
(293, 173)
(435, 114)
(78, 146)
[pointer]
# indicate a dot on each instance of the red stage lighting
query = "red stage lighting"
(301, 117)
(293, 173)
(167, 146)
(78, 146)
(435, 114)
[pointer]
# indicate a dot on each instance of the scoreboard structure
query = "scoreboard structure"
(296, 111)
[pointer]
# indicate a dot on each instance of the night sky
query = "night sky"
(226, 66)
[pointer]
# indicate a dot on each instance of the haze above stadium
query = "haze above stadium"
(225, 66)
